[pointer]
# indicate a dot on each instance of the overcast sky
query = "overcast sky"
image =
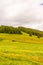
(27, 13)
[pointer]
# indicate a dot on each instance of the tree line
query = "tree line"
(9, 29)
(31, 32)
(19, 30)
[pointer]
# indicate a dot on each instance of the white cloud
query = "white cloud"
(27, 13)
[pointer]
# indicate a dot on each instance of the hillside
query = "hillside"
(16, 49)
(19, 30)
(19, 47)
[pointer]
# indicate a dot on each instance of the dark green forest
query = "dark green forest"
(19, 30)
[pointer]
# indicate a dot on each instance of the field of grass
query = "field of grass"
(20, 49)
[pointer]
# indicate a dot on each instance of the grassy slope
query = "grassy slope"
(25, 50)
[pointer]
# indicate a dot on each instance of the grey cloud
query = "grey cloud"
(27, 13)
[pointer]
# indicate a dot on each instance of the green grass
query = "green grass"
(24, 50)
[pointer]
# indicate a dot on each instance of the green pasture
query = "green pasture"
(16, 49)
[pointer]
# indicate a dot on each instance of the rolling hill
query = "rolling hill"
(20, 49)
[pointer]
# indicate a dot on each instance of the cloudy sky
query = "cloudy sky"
(28, 13)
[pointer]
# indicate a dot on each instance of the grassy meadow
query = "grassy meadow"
(16, 49)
